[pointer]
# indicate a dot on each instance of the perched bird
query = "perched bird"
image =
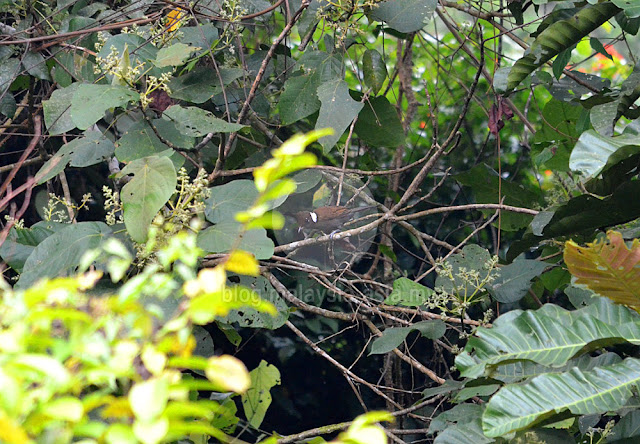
(327, 219)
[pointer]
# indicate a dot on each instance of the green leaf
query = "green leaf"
(392, 337)
(20, 243)
(36, 65)
(91, 101)
(60, 253)
(593, 151)
(197, 122)
(153, 183)
(513, 281)
(597, 46)
(408, 293)
(559, 36)
(379, 125)
(374, 70)
(603, 389)
(252, 318)
(65, 409)
(549, 336)
(226, 200)
(631, 7)
(57, 110)
(174, 55)
(257, 399)
(202, 83)
(562, 61)
(299, 98)
(138, 141)
(405, 15)
(222, 237)
(337, 111)
(81, 152)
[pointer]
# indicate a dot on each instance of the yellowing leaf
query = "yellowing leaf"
(10, 432)
(242, 262)
(172, 21)
(607, 267)
(228, 373)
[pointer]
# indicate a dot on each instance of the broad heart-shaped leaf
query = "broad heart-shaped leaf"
(91, 101)
(196, 122)
(593, 151)
(558, 37)
(607, 267)
(378, 123)
(514, 280)
(600, 390)
(549, 336)
(471, 258)
(174, 55)
(153, 183)
(631, 7)
(224, 236)
(85, 151)
(392, 337)
(57, 110)
(202, 83)
(257, 399)
(252, 318)
(60, 253)
(226, 200)
(374, 70)
(404, 15)
(337, 111)
(408, 293)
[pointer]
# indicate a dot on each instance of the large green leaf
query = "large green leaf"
(60, 253)
(257, 399)
(593, 151)
(607, 267)
(253, 318)
(153, 183)
(374, 69)
(224, 236)
(93, 148)
(91, 101)
(299, 98)
(559, 36)
(20, 243)
(514, 280)
(226, 200)
(404, 15)
(202, 83)
(603, 389)
(174, 55)
(378, 124)
(197, 122)
(138, 141)
(631, 7)
(57, 110)
(549, 336)
(337, 111)
(408, 293)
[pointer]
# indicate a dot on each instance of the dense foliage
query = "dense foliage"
(396, 205)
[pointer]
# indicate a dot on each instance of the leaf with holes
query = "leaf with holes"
(154, 181)
(607, 267)
(196, 122)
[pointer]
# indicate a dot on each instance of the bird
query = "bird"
(328, 218)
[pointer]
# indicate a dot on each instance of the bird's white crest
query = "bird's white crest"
(314, 217)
